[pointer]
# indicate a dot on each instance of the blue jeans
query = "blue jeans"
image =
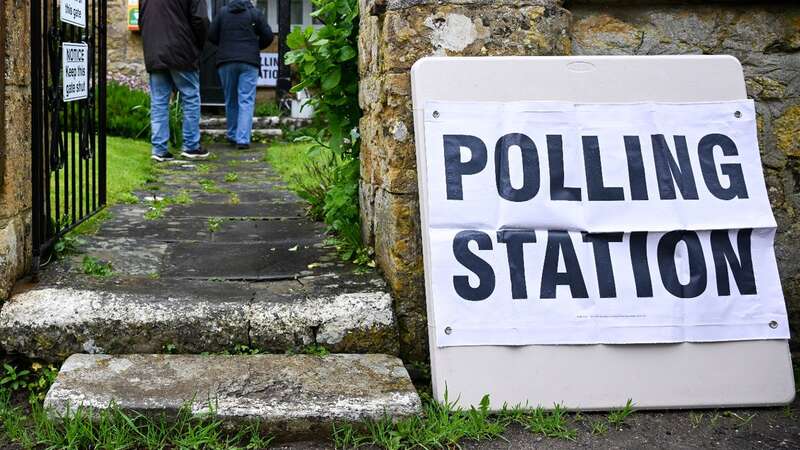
(162, 84)
(239, 83)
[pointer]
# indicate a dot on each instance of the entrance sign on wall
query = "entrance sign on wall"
(575, 206)
(75, 71)
(268, 73)
(564, 223)
(74, 12)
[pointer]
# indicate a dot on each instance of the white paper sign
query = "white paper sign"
(560, 223)
(74, 12)
(75, 67)
(268, 74)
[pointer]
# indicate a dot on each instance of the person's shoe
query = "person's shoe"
(197, 153)
(242, 146)
(162, 158)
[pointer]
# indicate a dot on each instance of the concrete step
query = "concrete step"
(219, 134)
(298, 395)
(218, 122)
(344, 313)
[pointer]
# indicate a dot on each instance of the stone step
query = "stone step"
(344, 313)
(218, 122)
(256, 133)
(295, 396)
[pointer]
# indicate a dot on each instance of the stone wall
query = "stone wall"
(765, 36)
(15, 145)
(125, 55)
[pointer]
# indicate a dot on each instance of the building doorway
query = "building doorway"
(210, 85)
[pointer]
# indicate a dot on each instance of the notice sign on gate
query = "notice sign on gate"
(75, 68)
(568, 223)
(74, 12)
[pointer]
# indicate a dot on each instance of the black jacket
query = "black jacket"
(173, 33)
(240, 31)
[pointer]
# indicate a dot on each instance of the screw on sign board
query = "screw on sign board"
(75, 71)
(597, 229)
(74, 12)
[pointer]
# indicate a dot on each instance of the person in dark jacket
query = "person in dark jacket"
(240, 31)
(173, 34)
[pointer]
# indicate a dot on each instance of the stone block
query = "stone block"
(15, 251)
(450, 29)
(15, 194)
(291, 395)
(18, 47)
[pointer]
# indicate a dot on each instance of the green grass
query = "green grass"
(290, 161)
(112, 428)
(128, 168)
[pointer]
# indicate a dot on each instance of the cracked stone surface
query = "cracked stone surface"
(195, 272)
(289, 393)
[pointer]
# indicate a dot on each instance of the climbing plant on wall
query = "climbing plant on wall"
(325, 60)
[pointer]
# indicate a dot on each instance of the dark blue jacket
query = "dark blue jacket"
(240, 31)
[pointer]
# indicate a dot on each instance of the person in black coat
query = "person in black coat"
(173, 34)
(240, 31)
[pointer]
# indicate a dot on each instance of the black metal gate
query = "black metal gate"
(68, 121)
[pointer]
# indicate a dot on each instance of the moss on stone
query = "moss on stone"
(787, 131)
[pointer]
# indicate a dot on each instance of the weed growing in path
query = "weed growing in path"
(599, 428)
(617, 417)
(231, 177)
(128, 198)
(214, 224)
(96, 268)
(210, 186)
(234, 199)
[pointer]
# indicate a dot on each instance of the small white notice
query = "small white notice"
(565, 223)
(268, 73)
(73, 12)
(75, 67)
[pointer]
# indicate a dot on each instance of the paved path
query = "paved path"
(213, 254)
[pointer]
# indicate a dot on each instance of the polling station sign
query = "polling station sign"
(75, 71)
(564, 223)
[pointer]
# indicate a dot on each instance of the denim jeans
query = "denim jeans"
(239, 83)
(162, 84)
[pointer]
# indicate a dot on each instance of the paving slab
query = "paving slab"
(279, 231)
(243, 261)
(295, 394)
(266, 210)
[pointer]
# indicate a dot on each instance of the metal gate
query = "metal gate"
(68, 121)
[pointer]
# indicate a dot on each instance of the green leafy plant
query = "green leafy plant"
(67, 245)
(13, 378)
(128, 111)
(231, 177)
(234, 198)
(43, 378)
(325, 59)
(96, 268)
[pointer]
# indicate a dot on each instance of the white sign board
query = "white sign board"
(596, 201)
(268, 73)
(75, 71)
(599, 224)
(74, 12)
